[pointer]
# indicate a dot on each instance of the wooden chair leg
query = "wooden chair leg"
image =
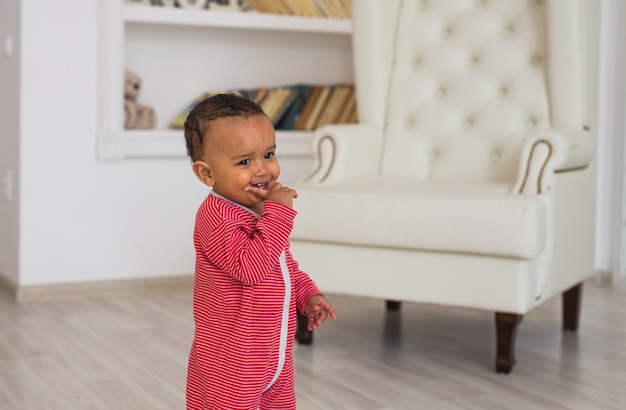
(393, 305)
(506, 331)
(571, 307)
(303, 335)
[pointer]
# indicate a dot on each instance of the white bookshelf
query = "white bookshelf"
(181, 53)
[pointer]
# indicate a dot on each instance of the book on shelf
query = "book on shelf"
(313, 107)
(276, 103)
(334, 106)
(318, 108)
(258, 95)
(285, 101)
(306, 108)
(348, 112)
(352, 116)
(293, 111)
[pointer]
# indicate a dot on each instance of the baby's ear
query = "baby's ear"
(204, 172)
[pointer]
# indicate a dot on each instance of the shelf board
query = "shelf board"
(237, 20)
(171, 144)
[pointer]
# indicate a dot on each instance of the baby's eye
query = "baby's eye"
(269, 155)
(244, 162)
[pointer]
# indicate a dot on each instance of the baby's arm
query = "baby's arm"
(309, 300)
(247, 252)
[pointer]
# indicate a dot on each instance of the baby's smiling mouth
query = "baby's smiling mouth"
(262, 185)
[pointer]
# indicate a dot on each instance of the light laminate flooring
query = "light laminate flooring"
(131, 353)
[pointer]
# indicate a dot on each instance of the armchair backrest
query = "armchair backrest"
(456, 85)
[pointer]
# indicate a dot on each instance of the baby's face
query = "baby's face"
(241, 153)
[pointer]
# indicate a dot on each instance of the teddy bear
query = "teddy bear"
(136, 116)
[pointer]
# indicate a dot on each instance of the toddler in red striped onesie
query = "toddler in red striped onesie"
(247, 285)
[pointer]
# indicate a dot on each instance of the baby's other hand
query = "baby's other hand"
(317, 310)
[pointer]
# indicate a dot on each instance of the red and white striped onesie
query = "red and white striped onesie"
(247, 287)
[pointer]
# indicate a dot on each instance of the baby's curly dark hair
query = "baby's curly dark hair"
(197, 124)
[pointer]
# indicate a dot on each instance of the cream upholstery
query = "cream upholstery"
(468, 180)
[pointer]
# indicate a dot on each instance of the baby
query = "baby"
(247, 285)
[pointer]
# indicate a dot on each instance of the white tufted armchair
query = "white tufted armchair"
(468, 181)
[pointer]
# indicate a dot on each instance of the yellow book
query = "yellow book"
(334, 106)
(347, 109)
(318, 107)
(287, 99)
(354, 115)
(276, 100)
(308, 106)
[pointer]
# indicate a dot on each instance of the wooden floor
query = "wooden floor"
(131, 352)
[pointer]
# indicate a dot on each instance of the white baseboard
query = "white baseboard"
(112, 288)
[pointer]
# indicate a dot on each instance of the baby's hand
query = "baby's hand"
(277, 193)
(281, 194)
(317, 310)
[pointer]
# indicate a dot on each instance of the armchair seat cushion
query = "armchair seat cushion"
(476, 218)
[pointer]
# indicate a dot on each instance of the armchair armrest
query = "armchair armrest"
(547, 151)
(344, 151)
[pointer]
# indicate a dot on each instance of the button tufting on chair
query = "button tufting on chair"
(495, 155)
(409, 122)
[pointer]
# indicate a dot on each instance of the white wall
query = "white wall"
(84, 219)
(9, 138)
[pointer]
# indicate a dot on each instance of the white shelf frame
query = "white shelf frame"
(116, 143)
(170, 143)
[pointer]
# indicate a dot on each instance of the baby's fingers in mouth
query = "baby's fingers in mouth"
(259, 190)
